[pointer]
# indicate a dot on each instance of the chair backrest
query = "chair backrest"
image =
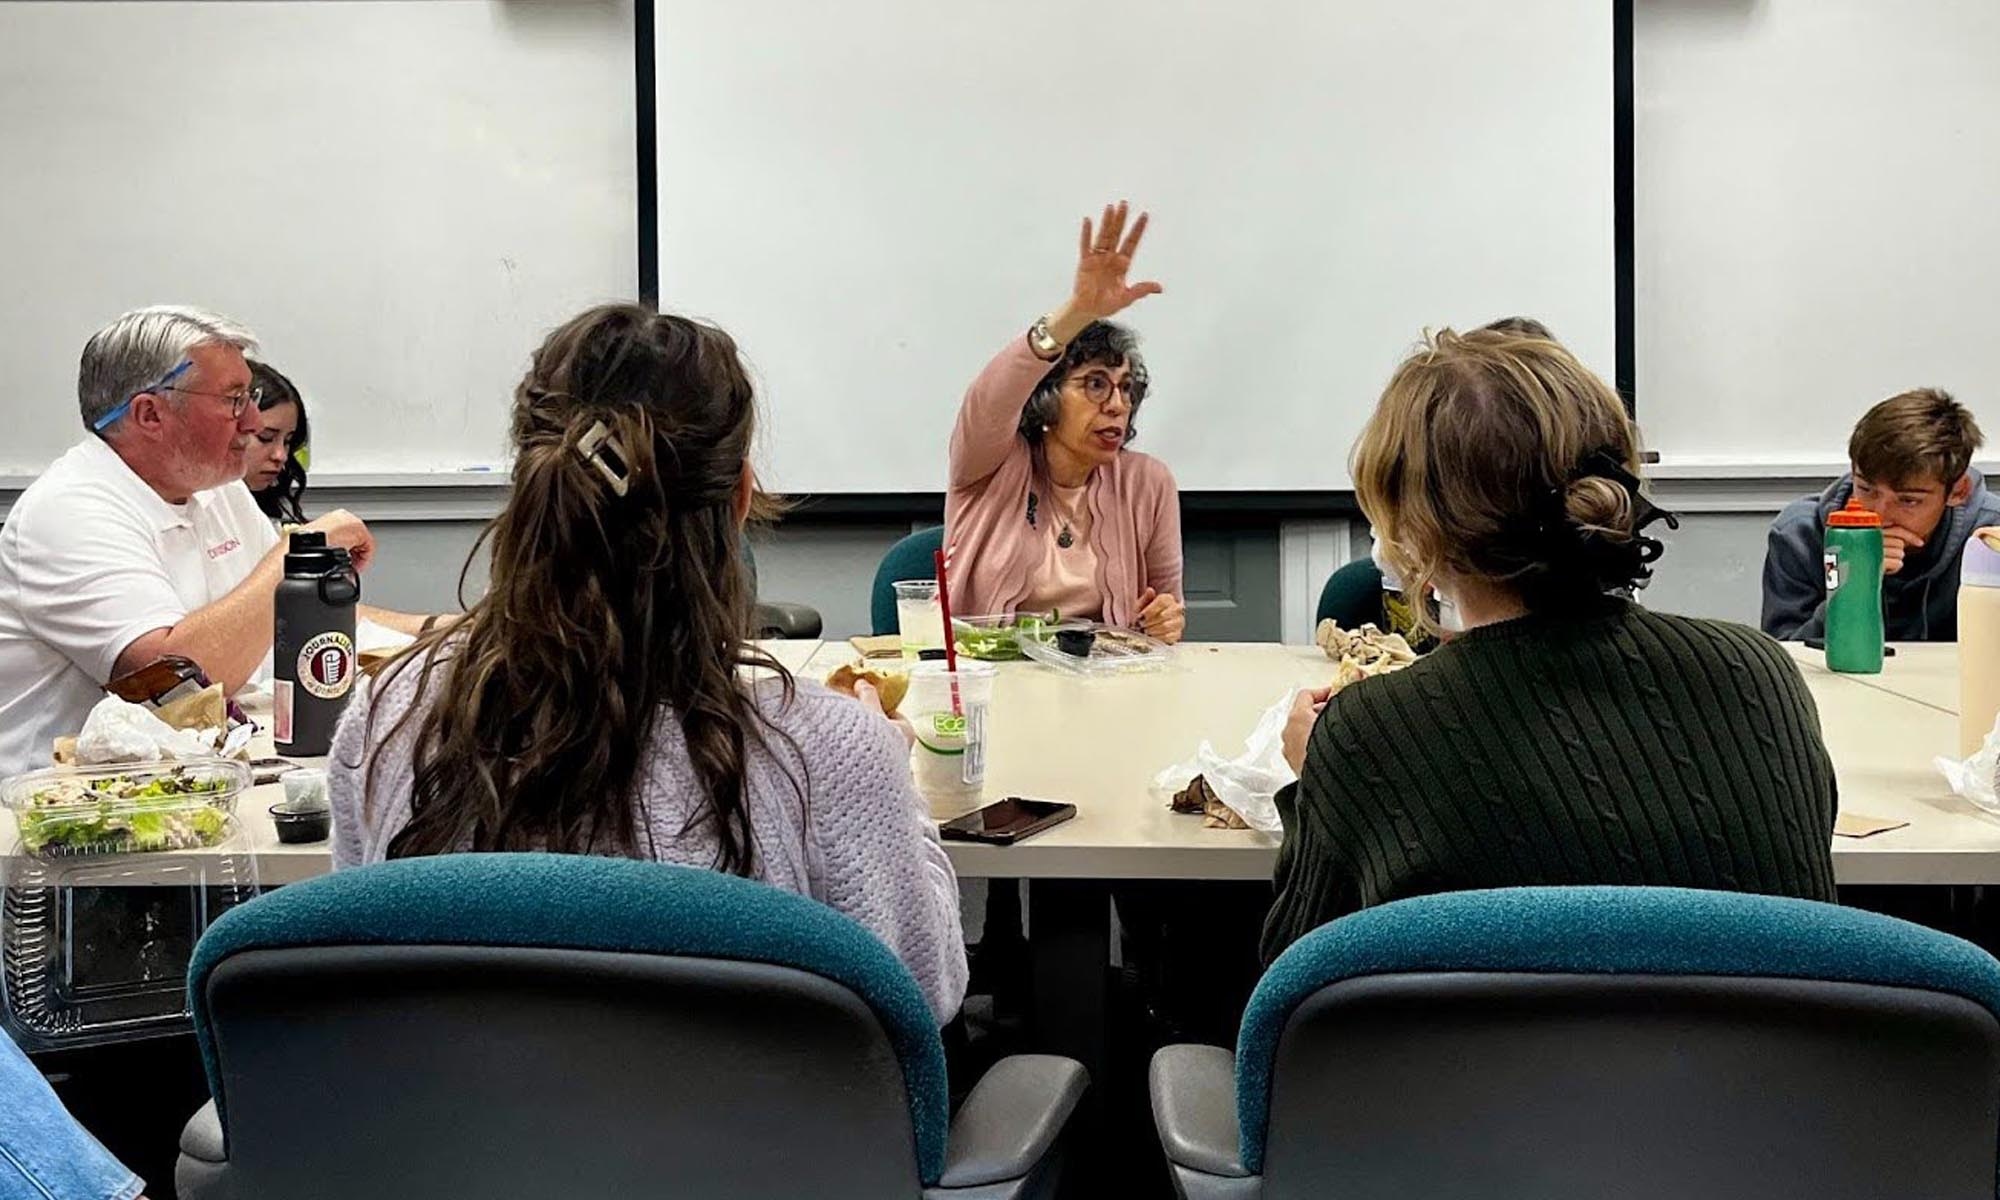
(533, 1024)
(914, 557)
(1643, 1043)
(1352, 595)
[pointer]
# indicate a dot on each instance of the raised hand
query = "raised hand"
(1103, 259)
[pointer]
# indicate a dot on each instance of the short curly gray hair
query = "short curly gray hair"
(1102, 343)
(133, 352)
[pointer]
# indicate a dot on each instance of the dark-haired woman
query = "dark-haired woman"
(1567, 736)
(276, 474)
(1047, 508)
(596, 699)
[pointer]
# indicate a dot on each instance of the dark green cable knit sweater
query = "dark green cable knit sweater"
(1609, 745)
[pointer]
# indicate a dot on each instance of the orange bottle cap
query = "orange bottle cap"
(1854, 517)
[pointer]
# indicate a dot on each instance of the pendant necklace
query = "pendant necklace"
(1065, 535)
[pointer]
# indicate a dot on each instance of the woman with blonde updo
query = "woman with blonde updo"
(1567, 736)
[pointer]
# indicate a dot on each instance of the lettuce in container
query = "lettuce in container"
(122, 810)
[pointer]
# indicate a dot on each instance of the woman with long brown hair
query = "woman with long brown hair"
(598, 699)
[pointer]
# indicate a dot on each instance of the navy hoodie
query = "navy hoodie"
(1919, 603)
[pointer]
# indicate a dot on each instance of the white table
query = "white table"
(1098, 743)
(1926, 672)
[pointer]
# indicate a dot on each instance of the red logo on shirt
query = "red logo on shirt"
(224, 548)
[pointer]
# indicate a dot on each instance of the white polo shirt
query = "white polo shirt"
(91, 559)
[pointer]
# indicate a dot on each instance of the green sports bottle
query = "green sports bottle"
(1854, 591)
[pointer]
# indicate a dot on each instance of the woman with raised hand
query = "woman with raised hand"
(599, 698)
(1049, 508)
(1567, 735)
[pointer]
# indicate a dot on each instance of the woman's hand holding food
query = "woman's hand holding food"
(1162, 616)
(871, 699)
(1103, 258)
(1306, 707)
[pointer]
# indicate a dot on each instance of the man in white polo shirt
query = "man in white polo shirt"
(141, 540)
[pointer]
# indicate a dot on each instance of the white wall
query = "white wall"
(1815, 182)
(400, 198)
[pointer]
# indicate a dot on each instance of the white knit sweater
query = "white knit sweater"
(852, 834)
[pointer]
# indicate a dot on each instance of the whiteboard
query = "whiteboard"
(1814, 190)
(399, 197)
(875, 195)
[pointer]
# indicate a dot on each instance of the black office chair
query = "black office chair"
(779, 618)
(1582, 1043)
(503, 1025)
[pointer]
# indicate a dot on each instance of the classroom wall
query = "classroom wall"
(1234, 575)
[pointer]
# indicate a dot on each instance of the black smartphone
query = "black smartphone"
(1820, 644)
(270, 770)
(1004, 822)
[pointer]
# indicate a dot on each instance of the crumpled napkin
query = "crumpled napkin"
(121, 732)
(1248, 783)
(1977, 779)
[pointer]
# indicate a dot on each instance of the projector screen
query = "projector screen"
(875, 196)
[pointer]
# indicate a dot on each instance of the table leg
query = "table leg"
(1069, 948)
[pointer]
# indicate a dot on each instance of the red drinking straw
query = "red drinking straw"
(950, 642)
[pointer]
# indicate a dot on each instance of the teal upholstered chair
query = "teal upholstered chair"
(482, 1025)
(1352, 595)
(1564, 1043)
(914, 557)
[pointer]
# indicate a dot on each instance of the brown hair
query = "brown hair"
(1918, 437)
(604, 611)
(1491, 455)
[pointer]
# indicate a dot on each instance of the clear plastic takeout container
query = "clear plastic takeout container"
(1113, 650)
(997, 637)
(119, 870)
(128, 808)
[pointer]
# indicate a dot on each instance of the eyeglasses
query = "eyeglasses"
(1098, 386)
(237, 401)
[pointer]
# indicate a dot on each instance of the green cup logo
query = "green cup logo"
(943, 733)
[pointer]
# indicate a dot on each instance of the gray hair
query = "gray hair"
(133, 352)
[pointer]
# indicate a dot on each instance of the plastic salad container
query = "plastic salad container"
(119, 871)
(130, 808)
(997, 637)
(1113, 651)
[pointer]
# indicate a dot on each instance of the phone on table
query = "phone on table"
(270, 770)
(1004, 822)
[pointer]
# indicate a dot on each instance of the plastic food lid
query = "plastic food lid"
(1981, 565)
(1854, 517)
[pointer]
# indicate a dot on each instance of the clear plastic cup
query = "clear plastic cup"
(948, 760)
(919, 617)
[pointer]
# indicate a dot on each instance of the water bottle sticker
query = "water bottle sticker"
(974, 773)
(1832, 561)
(326, 665)
(281, 710)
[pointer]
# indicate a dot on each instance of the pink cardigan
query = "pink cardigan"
(1135, 512)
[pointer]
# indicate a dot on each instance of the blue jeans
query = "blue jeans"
(44, 1153)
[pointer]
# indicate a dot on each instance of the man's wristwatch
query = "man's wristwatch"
(1042, 342)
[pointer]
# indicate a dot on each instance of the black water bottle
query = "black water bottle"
(313, 647)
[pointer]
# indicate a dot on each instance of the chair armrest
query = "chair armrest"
(201, 1139)
(1194, 1109)
(202, 1172)
(1012, 1119)
(783, 619)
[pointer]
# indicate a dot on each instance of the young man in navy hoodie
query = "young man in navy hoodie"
(1911, 459)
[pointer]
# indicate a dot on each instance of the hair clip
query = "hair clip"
(1601, 464)
(602, 450)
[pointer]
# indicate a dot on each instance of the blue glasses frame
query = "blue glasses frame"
(104, 422)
